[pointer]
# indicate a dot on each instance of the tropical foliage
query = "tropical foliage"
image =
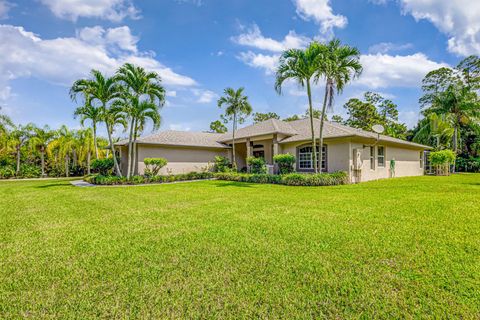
(285, 162)
(256, 165)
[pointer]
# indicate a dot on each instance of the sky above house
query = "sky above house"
(200, 47)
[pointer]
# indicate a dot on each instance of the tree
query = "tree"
(337, 118)
(260, 117)
(86, 146)
(17, 138)
(137, 83)
(92, 113)
(295, 117)
(237, 108)
(39, 141)
(436, 81)
(103, 90)
(434, 130)
(338, 64)
(64, 145)
(218, 127)
(301, 66)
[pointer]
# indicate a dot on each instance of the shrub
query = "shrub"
(29, 171)
(7, 172)
(257, 165)
(292, 179)
(441, 161)
(222, 164)
(470, 164)
(102, 166)
(285, 162)
(114, 180)
(153, 166)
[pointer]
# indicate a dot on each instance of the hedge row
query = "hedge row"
(114, 180)
(292, 179)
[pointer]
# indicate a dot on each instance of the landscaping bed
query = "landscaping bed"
(99, 179)
(291, 179)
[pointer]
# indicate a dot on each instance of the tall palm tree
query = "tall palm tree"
(338, 64)
(237, 108)
(104, 90)
(92, 113)
(137, 82)
(39, 140)
(301, 66)
(114, 116)
(459, 105)
(18, 138)
(64, 146)
(86, 146)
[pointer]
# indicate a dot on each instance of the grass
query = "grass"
(401, 248)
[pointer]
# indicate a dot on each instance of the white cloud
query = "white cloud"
(204, 96)
(5, 93)
(179, 127)
(171, 93)
(5, 7)
(113, 10)
(383, 70)
(410, 118)
(262, 61)
(385, 47)
(254, 38)
(321, 12)
(458, 19)
(62, 60)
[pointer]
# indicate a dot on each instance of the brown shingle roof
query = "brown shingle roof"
(270, 126)
(182, 138)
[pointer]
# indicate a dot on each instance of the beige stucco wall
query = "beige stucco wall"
(180, 159)
(407, 162)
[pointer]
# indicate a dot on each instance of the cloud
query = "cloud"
(383, 70)
(113, 10)
(5, 7)
(261, 61)
(204, 96)
(254, 38)
(457, 19)
(410, 118)
(179, 127)
(63, 60)
(386, 47)
(171, 93)
(321, 12)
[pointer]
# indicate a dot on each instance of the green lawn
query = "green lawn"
(402, 248)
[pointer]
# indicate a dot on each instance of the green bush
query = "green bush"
(7, 172)
(470, 164)
(285, 163)
(29, 171)
(114, 180)
(441, 161)
(153, 166)
(257, 165)
(222, 164)
(102, 166)
(292, 179)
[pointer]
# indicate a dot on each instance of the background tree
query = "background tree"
(260, 117)
(39, 140)
(237, 108)
(18, 138)
(301, 66)
(86, 146)
(92, 113)
(337, 118)
(218, 127)
(338, 64)
(434, 130)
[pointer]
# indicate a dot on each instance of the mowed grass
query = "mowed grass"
(401, 248)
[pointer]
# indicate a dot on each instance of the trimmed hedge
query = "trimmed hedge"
(292, 179)
(285, 162)
(257, 165)
(114, 180)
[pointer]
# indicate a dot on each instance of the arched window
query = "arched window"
(305, 158)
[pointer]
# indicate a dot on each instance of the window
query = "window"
(305, 158)
(421, 159)
(381, 156)
(372, 158)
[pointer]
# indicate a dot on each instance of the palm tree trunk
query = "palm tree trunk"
(95, 139)
(42, 158)
(88, 162)
(455, 145)
(18, 160)
(130, 152)
(67, 171)
(112, 149)
(314, 149)
(322, 119)
(134, 149)
(234, 126)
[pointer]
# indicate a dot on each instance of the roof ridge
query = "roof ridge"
(275, 126)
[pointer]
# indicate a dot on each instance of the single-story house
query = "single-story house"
(364, 155)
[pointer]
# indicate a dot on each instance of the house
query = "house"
(364, 155)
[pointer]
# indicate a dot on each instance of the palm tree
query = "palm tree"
(301, 66)
(39, 140)
(64, 146)
(86, 145)
(92, 113)
(17, 138)
(436, 127)
(459, 105)
(237, 108)
(338, 64)
(104, 90)
(137, 83)
(114, 116)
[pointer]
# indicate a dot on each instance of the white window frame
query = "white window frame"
(305, 159)
(372, 158)
(383, 156)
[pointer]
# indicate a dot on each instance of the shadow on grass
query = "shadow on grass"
(222, 183)
(53, 185)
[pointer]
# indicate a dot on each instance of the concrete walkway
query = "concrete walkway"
(81, 183)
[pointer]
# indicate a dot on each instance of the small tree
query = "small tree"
(441, 161)
(222, 164)
(153, 166)
(285, 163)
(257, 165)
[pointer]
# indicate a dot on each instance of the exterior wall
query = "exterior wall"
(407, 162)
(338, 153)
(180, 159)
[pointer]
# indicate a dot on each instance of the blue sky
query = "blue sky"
(199, 47)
